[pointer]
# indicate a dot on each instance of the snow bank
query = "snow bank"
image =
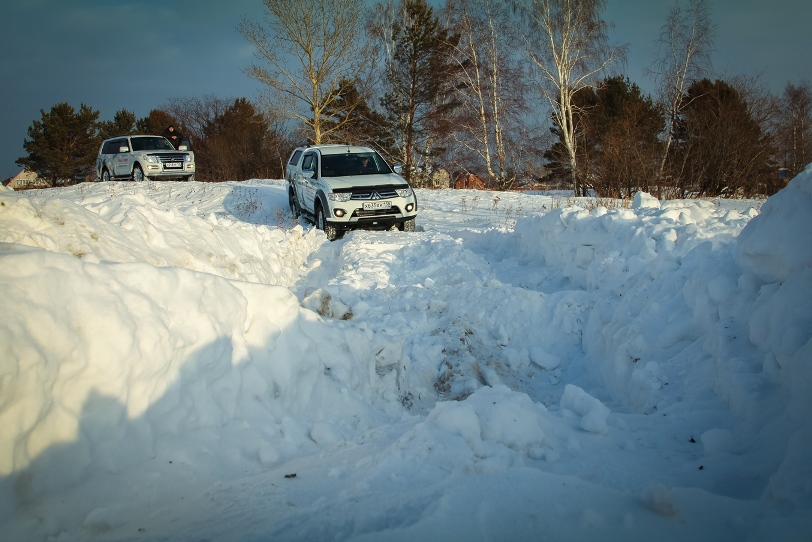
(168, 228)
(687, 293)
(776, 248)
(650, 276)
(105, 365)
(778, 241)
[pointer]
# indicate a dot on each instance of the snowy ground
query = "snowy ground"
(181, 361)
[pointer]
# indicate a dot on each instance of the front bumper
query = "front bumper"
(353, 214)
(158, 170)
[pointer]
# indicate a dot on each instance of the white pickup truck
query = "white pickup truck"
(142, 157)
(344, 187)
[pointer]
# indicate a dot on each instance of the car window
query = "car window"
(310, 162)
(295, 158)
(359, 163)
(151, 144)
(111, 147)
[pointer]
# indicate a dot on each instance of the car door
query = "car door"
(307, 186)
(121, 160)
(105, 159)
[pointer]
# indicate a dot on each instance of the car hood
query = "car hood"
(355, 181)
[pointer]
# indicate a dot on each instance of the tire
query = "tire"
(329, 230)
(105, 176)
(190, 178)
(294, 205)
(138, 174)
(407, 225)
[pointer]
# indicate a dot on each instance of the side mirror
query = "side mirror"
(183, 148)
(123, 148)
(398, 169)
(308, 173)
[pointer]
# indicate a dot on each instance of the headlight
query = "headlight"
(404, 192)
(187, 158)
(339, 196)
(151, 159)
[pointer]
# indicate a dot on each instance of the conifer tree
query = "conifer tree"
(63, 145)
(156, 122)
(123, 123)
(422, 80)
(721, 146)
(351, 120)
(234, 143)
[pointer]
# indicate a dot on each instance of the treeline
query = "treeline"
(231, 139)
(526, 91)
(519, 93)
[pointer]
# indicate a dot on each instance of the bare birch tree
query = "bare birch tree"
(684, 49)
(567, 43)
(492, 86)
(795, 127)
(307, 47)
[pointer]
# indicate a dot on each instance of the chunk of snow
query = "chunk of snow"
(643, 200)
(593, 412)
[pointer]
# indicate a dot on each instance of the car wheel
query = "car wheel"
(329, 230)
(407, 225)
(138, 174)
(190, 178)
(105, 176)
(294, 205)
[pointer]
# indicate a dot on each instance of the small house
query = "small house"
(469, 181)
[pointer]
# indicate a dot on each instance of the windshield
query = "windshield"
(151, 144)
(345, 165)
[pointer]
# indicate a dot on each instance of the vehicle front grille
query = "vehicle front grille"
(374, 193)
(361, 213)
(164, 158)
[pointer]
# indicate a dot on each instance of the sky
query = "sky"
(138, 54)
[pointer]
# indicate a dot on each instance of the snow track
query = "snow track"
(184, 361)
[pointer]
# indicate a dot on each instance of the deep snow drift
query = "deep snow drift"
(182, 361)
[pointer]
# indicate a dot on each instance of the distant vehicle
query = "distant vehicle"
(144, 157)
(344, 187)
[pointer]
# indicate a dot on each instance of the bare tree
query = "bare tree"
(684, 49)
(795, 127)
(491, 83)
(194, 114)
(567, 42)
(307, 47)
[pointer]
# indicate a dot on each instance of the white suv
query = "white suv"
(343, 187)
(142, 157)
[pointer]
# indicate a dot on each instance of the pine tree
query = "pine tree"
(721, 146)
(351, 120)
(422, 79)
(123, 123)
(156, 122)
(63, 145)
(625, 125)
(617, 127)
(235, 143)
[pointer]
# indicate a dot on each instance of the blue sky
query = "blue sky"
(137, 54)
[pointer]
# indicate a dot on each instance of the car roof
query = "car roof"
(338, 149)
(132, 136)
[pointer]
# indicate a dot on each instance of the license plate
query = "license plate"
(173, 165)
(374, 205)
